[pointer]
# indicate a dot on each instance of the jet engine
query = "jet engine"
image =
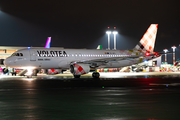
(79, 69)
(53, 71)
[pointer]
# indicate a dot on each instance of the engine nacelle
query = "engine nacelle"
(53, 71)
(79, 69)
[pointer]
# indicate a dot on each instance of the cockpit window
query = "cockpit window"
(14, 54)
(20, 54)
(17, 54)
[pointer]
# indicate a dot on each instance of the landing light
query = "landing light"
(29, 71)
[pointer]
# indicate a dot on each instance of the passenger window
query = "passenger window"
(17, 54)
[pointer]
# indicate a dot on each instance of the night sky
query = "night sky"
(83, 23)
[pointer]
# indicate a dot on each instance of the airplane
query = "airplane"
(80, 61)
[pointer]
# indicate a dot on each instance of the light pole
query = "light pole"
(173, 47)
(108, 32)
(165, 50)
(115, 32)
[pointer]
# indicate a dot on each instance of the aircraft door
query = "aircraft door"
(32, 55)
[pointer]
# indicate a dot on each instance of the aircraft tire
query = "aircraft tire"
(95, 75)
(77, 76)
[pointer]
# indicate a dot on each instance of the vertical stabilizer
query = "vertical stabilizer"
(99, 47)
(48, 42)
(146, 44)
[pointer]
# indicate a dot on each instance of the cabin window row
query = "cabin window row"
(88, 55)
(76, 55)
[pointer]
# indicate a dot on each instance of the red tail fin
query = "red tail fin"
(148, 40)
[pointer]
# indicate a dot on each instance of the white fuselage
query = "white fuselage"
(62, 58)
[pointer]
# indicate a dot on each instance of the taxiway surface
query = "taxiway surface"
(124, 98)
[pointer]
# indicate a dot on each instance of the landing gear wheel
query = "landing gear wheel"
(95, 75)
(77, 76)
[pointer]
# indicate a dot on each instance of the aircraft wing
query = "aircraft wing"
(105, 60)
(109, 59)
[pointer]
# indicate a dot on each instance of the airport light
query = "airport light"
(115, 32)
(173, 47)
(165, 50)
(108, 32)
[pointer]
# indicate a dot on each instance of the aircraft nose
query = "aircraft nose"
(7, 62)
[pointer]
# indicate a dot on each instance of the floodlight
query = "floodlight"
(108, 32)
(115, 32)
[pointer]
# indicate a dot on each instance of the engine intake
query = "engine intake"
(79, 69)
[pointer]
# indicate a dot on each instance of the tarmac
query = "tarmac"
(114, 96)
(20, 101)
(105, 75)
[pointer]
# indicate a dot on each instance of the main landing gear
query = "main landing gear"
(77, 76)
(95, 75)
